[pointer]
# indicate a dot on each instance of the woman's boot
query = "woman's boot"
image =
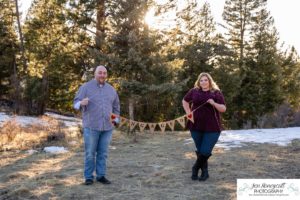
(196, 167)
(204, 168)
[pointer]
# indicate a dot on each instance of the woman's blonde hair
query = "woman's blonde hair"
(212, 84)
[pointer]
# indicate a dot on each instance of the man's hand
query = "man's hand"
(84, 102)
(116, 122)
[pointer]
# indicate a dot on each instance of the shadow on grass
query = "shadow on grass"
(156, 167)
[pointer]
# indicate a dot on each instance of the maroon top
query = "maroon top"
(206, 117)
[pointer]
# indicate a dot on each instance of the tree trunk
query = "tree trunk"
(100, 24)
(17, 89)
(131, 108)
(21, 38)
(44, 95)
(131, 116)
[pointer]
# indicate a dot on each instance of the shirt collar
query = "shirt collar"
(100, 85)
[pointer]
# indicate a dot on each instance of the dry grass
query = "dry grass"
(154, 167)
(13, 136)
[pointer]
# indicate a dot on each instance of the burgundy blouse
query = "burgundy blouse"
(206, 117)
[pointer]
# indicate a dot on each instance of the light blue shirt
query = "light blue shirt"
(103, 101)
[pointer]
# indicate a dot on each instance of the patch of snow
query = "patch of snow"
(112, 147)
(238, 138)
(22, 120)
(31, 151)
(68, 121)
(55, 150)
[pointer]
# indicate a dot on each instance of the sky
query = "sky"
(285, 13)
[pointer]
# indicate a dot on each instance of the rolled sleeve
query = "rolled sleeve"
(77, 105)
(79, 96)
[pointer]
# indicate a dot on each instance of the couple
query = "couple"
(97, 99)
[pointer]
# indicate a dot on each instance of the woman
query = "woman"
(203, 105)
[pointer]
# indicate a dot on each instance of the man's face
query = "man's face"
(101, 74)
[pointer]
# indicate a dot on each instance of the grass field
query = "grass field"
(156, 166)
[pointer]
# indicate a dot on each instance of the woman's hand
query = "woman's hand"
(211, 102)
(220, 107)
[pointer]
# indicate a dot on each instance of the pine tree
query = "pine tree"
(259, 71)
(8, 47)
(56, 52)
(265, 54)
(134, 60)
(203, 47)
(290, 79)
(238, 16)
(198, 34)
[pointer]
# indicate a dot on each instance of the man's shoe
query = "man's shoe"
(103, 180)
(88, 182)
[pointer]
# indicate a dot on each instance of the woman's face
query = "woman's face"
(204, 83)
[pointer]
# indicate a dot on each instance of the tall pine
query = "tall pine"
(56, 52)
(8, 47)
(143, 80)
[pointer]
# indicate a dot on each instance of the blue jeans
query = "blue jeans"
(96, 151)
(205, 141)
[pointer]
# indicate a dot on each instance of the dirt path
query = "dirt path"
(156, 167)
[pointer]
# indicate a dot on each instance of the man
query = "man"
(97, 100)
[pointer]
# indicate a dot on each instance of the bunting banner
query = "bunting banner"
(190, 117)
(123, 121)
(171, 124)
(142, 126)
(132, 124)
(162, 126)
(181, 121)
(151, 126)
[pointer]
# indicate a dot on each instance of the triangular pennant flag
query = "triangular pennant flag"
(123, 121)
(142, 126)
(171, 124)
(132, 124)
(190, 117)
(162, 126)
(181, 121)
(152, 127)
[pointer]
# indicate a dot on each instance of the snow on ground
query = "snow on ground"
(26, 120)
(22, 120)
(228, 139)
(55, 150)
(238, 138)
(69, 121)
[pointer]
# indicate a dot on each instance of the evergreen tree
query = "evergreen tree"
(198, 46)
(290, 78)
(8, 47)
(238, 16)
(267, 73)
(56, 52)
(144, 81)
(259, 71)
